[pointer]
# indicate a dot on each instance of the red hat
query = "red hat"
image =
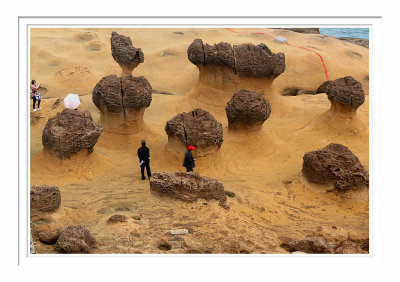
(191, 148)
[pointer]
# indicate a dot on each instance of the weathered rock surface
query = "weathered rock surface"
(309, 245)
(123, 52)
(69, 132)
(359, 41)
(136, 92)
(349, 247)
(107, 94)
(75, 239)
(345, 91)
(245, 59)
(45, 198)
(117, 218)
(187, 186)
(197, 128)
(258, 61)
(49, 237)
(336, 164)
(247, 108)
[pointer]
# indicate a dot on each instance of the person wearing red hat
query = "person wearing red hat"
(188, 162)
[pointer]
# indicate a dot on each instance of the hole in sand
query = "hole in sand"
(164, 247)
(354, 54)
(178, 32)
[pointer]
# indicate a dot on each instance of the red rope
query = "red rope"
(322, 60)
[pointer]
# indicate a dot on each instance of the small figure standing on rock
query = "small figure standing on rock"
(144, 159)
(35, 95)
(188, 162)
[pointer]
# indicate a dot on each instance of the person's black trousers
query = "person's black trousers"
(147, 165)
(188, 169)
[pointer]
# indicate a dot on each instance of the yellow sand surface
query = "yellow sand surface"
(272, 202)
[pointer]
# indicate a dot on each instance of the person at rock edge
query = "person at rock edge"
(35, 95)
(188, 162)
(144, 159)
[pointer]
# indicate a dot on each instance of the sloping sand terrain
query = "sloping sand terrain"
(272, 202)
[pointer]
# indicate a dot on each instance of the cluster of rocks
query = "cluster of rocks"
(318, 245)
(187, 186)
(335, 164)
(70, 132)
(123, 99)
(244, 59)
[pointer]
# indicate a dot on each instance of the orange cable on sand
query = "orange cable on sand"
(322, 60)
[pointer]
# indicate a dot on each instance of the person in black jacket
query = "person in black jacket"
(188, 162)
(144, 159)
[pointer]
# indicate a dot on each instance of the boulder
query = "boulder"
(246, 59)
(69, 132)
(75, 239)
(197, 128)
(107, 95)
(187, 186)
(335, 164)
(136, 92)
(247, 108)
(117, 218)
(345, 91)
(123, 52)
(309, 245)
(349, 247)
(45, 198)
(49, 237)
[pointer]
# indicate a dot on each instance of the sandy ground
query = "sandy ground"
(272, 202)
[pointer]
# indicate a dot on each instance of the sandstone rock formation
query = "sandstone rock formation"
(69, 132)
(123, 52)
(117, 218)
(345, 91)
(75, 239)
(228, 67)
(247, 108)
(122, 100)
(334, 164)
(49, 237)
(349, 247)
(45, 198)
(187, 186)
(197, 128)
(309, 245)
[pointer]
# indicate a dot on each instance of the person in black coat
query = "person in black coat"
(144, 159)
(188, 162)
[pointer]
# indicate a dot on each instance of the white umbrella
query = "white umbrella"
(72, 101)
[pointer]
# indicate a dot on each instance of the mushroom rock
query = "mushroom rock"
(197, 128)
(69, 132)
(123, 52)
(75, 239)
(309, 245)
(247, 109)
(349, 247)
(45, 198)
(334, 164)
(122, 100)
(187, 186)
(227, 67)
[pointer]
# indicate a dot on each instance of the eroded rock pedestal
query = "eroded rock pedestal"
(335, 164)
(346, 96)
(226, 67)
(122, 101)
(187, 186)
(125, 54)
(69, 132)
(197, 128)
(45, 198)
(247, 110)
